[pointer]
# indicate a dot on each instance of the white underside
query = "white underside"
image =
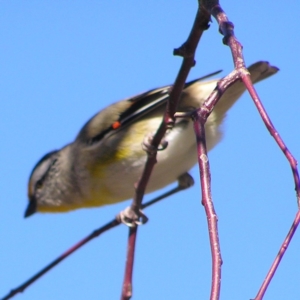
(179, 157)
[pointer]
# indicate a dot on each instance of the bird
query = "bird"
(106, 158)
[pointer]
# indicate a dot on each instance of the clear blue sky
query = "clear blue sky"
(61, 62)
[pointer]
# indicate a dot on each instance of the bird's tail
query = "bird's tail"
(258, 71)
(196, 93)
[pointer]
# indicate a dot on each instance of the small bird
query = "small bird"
(101, 166)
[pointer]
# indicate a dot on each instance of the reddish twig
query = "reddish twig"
(200, 116)
(31, 280)
(113, 223)
(293, 163)
(208, 205)
(226, 28)
(187, 51)
(127, 284)
(278, 258)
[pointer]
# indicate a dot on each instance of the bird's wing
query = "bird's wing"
(125, 112)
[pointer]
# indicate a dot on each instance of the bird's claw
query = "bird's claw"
(132, 218)
(149, 148)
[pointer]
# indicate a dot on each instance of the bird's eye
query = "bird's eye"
(39, 184)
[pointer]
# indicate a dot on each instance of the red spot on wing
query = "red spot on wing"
(116, 125)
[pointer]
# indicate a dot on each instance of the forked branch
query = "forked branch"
(187, 51)
(226, 28)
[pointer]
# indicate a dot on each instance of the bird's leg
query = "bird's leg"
(130, 217)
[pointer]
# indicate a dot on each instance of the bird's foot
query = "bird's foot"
(131, 217)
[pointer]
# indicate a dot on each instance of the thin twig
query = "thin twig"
(266, 119)
(226, 28)
(187, 51)
(127, 284)
(200, 116)
(26, 284)
(278, 258)
(293, 163)
(209, 207)
(113, 223)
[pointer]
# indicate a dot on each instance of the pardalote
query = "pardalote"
(105, 160)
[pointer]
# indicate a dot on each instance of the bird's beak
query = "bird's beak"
(31, 208)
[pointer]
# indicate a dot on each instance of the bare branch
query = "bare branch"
(200, 116)
(226, 28)
(187, 51)
(278, 258)
(113, 223)
(26, 284)
(292, 161)
(127, 284)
